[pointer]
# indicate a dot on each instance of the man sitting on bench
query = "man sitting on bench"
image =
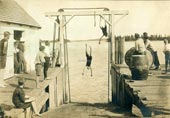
(20, 100)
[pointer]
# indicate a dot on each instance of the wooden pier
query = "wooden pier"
(145, 98)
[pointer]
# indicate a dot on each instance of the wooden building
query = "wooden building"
(22, 27)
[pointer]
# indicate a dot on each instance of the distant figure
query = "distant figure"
(139, 45)
(39, 64)
(149, 45)
(88, 61)
(20, 100)
(3, 56)
(22, 59)
(167, 55)
(47, 58)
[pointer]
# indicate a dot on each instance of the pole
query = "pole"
(62, 55)
(54, 37)
(113, 61)
(109, 59)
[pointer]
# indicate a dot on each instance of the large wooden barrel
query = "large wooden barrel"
(129, 53)
(139, 67)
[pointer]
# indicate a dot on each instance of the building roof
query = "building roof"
(11, 12)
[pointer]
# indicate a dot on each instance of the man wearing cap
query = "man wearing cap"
(149, 45)
(20, 100)
(3, 56)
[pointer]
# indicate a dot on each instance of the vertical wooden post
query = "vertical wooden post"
(122, 50)
(116, 50)
(109, 60)
(66, 100)
(62, 40)
(62, 53)
(113, 62)
(52, 104)
(53, 52)
(67, 68)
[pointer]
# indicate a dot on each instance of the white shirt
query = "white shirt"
(47, 51)
(149, 44)
(39, 58)
(166, 47)
(139, 45)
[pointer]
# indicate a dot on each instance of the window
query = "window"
(17, 35)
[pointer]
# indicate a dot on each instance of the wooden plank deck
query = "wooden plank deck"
(151, 96)
(145, 98)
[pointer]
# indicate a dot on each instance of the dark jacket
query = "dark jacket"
(3, 49)
(18, 97)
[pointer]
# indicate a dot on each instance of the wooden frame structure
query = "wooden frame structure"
(71, 12)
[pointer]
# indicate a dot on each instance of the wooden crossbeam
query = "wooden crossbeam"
(85, 13)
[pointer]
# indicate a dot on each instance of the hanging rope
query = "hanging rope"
(94, 18)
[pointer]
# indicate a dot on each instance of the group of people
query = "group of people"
(42, 61)
(143, 43)
(19, 99)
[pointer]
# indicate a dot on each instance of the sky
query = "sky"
(144, 16)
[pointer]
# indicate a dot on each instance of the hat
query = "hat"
(47, 43)
(165, 40)
(21, 47)
(137, 35)
(6, 33)
(21, 81)
(41, 48)
(145, 35)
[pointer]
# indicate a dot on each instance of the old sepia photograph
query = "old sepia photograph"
(84, 59)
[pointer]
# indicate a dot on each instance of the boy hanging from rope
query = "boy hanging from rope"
(104, 30)
(88, 61)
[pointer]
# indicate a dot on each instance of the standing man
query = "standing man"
(22, 59)
(139, 45)
(167, 55)
(3, 56)
(47, 58)
(149, 45)
(39, 63)
(17, 65)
